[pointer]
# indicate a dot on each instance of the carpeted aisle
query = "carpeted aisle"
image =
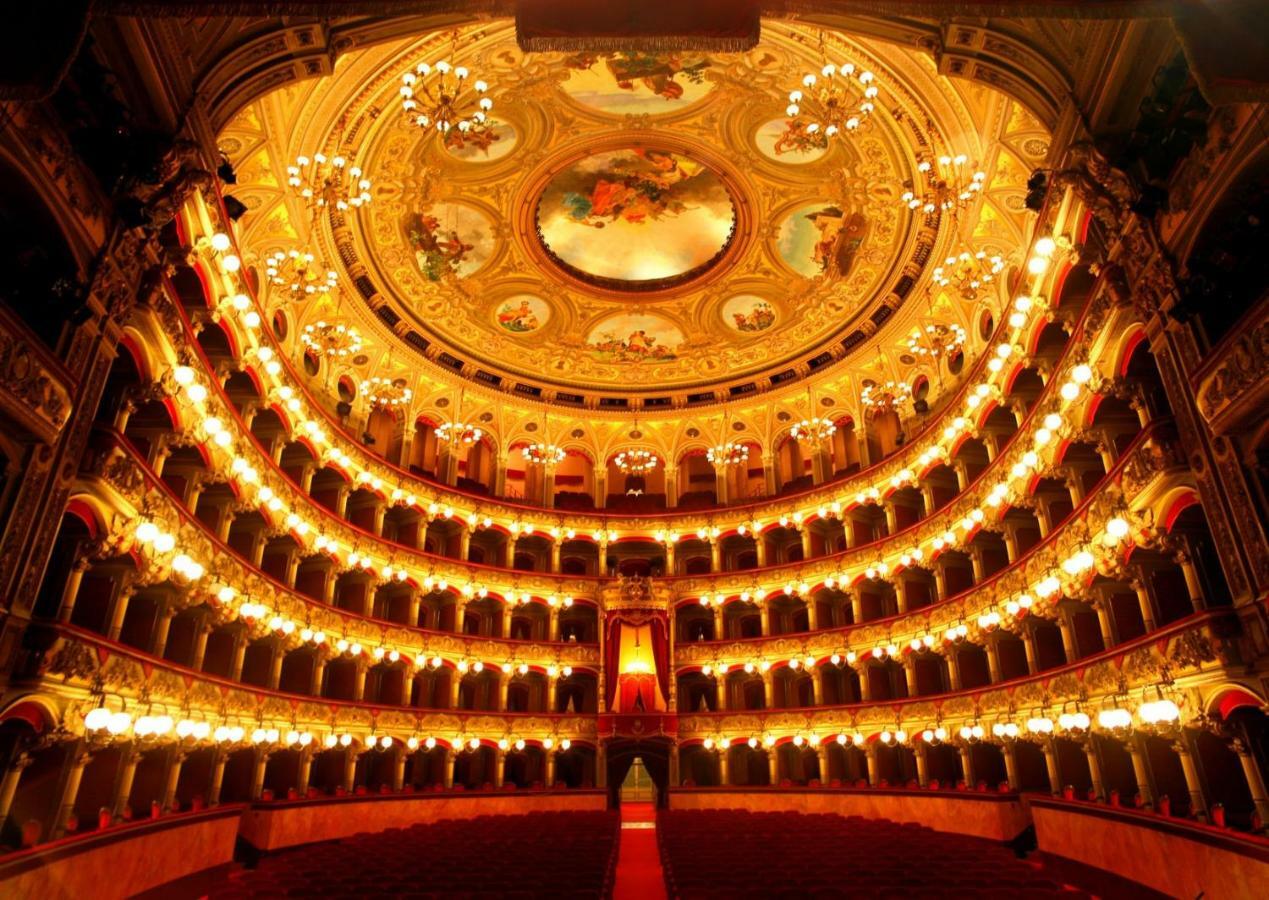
(639, 875)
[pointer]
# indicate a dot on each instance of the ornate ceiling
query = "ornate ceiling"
(634, 224)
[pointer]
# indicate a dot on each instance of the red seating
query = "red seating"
(561, 854)
(735, 853)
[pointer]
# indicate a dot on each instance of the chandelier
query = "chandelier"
(839, 99)
(636, 461)
(885, 396)
(437, 96)
(543, 454)
(950, 185)
(812, 431)
(968, 273)
(323, 181)
(455, 433)
(297, 271)
(936, 339)
(385, 393)
(329, 339)
(728, 454)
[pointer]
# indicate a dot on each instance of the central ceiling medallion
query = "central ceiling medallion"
(636, 218)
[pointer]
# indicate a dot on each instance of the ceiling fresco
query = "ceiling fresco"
(632, 222)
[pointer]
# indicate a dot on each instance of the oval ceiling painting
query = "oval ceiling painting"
(522, 313)
(820, 239)
(449, 240)
(787, 141)
(483, 145)
(748, 314)
(635, 338)
(636, 219)
(636, 83)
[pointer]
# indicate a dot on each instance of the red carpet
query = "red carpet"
(639, 874)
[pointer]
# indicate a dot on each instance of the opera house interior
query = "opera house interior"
(557, 448)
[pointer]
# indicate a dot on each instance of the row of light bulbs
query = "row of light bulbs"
(117, 724)
(1037, 266)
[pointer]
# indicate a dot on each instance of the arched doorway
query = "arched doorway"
(652, 756)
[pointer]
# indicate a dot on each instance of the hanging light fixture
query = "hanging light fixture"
(968, 274)
(946, 183)
(637, 461)
(936, 339)
(835, 101)
(727, 453)
(458, 433)
(543, 453)
(812, 431)
(884, 396)
(331, 339)
(297, 272)
(323, 181)
(385, 393)
(440, 96)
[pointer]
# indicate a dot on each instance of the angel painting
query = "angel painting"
(656, 73)
(438, 251)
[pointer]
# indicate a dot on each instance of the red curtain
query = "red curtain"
(660, 652)
(612, 656)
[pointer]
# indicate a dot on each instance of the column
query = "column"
(720, 692)
(910, 674)
(350, 770)
(450, 757)
(556, 549)
(764, 614)
(275, 666)
(305, 771)
(1051, 765)
(500, 766)
(1255, 783)
(768, 689)
(128, 760)
(174, 763)
(1010, 751)
(901, 594)
(1094, 767)
(670, 568)
(1011, 543)
(760, 548)
(507, 611)
(398, 770)
(922, 754)
(359, 682)
(162, 626)
(993, 661)
(259, 764)
(715, 556)
(1192, 584)
(807, 551)
(671, 486)
(464, 542)
(769, 474)
(953, 669)
(70, 593)
(1069, 646)
(601, 766)
(553, 624)
(201, 633)
(9, 785)
(1105, 622)
(892, 517)
(455, 685)
(240, 654)
(856, 608)
(724, 776)
(415, 604)
(217, 779)
(1193, 784)
(817, 686)
(509, 552)
(865, 684)
(504, 684)
(967, 764)
(821, 755)
(940, 580)
(1141, 770)
(552, 692)
(118, 611)
(1028, 644)
(550, 768)
(773, 765)
(874, 770)
(603, 558)
(79, 758)
(719, 625)
(674, 765)
(319, 670)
